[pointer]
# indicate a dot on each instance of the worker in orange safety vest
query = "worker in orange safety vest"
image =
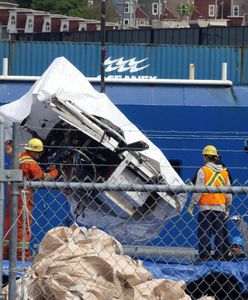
(31, 171)
(213, 207)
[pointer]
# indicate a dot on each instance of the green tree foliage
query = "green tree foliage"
(185, 9)
(64, 7)
(24, 3)
(76, 8)
(95, 13)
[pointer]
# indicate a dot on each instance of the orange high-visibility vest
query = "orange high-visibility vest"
(32, 171)
(213, 178)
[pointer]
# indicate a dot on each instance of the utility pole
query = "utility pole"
(159, 11)
(123, 14)
(187, 11)
(222, 9)
(165, 7)
(103, 48)
(215, 10)
(130, 13)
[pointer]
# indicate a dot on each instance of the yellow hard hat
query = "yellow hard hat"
(209, 150)
(35, 145)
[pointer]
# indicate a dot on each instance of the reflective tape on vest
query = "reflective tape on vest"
(213, 178)
(19, 244)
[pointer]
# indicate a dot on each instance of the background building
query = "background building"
(130, 14)
(185, 13)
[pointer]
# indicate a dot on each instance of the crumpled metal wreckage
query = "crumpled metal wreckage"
(91, 140)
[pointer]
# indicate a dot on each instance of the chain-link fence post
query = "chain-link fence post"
(14, 216)
(1, 201)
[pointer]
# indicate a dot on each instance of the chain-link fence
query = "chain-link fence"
(104, 204)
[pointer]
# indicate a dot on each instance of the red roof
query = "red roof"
(4, 16)
(38, 23)
(196, 15)
(168, 15)
(21, 20)
(140, 14)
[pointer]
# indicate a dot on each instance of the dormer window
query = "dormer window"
(47, 26)
(11, 27)
(65, 27)
(29, 26)
(82, 27)
(13, 20)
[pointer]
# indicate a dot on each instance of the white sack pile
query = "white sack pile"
(78, 263)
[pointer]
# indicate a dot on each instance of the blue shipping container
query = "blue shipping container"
(131, 61)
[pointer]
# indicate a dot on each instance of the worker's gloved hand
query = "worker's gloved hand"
(53, 172)
(227, 212)
(191, 208)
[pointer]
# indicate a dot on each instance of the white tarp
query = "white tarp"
(64, 81)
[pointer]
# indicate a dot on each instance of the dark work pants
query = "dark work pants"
(226, 244)
(211, 223)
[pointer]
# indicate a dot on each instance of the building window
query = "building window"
(155, 9)
(30, 24)
(13, 20)
(246, 19)
(126, 21)
(126, 8)
(143, 22)
(47, 26)
(11, 27)
(65, 28)
(211, 10)
(183, 10)
(82, 27)
(235, 10)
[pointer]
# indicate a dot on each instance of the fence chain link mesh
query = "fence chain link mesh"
(145, 219)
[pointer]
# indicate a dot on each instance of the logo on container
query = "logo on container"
(120, 65)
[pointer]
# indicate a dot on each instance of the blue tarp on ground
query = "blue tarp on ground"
(193, 272)
(185, 272)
